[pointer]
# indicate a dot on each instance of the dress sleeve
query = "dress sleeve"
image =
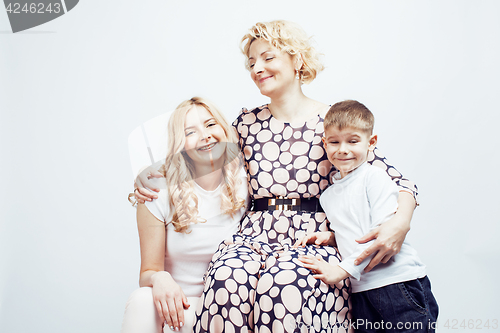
(237, 126)
(377, 159)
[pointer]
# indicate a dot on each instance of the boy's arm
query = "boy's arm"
(382, 195)
(390, 237)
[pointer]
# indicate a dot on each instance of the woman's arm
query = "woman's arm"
(389, 237)
(377, 159)
(168, 296)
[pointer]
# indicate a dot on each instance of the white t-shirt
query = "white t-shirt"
(356, 204)
(187, 255)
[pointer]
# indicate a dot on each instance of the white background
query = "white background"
(73, 89)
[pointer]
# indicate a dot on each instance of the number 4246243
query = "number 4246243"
(470, 324)
(33, 8)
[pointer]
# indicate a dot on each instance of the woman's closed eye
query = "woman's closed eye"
(251, 65)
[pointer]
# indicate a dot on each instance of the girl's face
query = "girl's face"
(205, 138)
(272, 70)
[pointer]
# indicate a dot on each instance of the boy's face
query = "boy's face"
(348, 148)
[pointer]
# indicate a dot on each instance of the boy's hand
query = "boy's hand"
(324, 271)
(317, 238)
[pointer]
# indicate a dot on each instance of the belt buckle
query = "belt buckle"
(290, 206)
(270, 203)
(279, 203)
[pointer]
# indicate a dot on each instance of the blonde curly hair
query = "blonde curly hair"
(178, 168)
(287, 37)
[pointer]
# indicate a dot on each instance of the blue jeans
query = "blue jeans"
(401, 307)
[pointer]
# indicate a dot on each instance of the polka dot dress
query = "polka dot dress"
(255, 282)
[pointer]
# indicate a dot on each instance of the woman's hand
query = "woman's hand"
(169, 300)
(389, 236)
(143, 181)
(324, 271)
(317, 238)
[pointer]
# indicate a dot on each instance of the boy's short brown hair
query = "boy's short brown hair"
(350, 113)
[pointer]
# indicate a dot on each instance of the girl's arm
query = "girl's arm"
(389, 237)
(168, 296)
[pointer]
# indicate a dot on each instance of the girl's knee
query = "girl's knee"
(140, 313)
(142, 296)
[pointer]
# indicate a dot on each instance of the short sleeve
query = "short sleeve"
(382, 195)
(237, 125)
(160, 207)
(377, 159)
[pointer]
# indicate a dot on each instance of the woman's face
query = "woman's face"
(272, 70)
(205, 138)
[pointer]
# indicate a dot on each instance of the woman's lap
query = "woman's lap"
(263, 287)
(229, 294)
(288, 297)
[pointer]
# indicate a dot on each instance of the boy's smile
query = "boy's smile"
(348, 148)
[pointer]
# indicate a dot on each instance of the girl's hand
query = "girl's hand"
(143, 181)
(169, 300)
(324, 271)
(389, 238)
(317, 238)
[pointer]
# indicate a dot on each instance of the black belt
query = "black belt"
(297, 204)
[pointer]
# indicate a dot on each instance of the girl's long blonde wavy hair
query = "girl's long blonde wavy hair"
(178, 168)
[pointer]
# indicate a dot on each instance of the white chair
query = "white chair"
(147, 145)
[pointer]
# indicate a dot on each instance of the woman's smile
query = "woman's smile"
(265, 78)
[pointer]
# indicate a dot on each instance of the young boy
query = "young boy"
(395, 296)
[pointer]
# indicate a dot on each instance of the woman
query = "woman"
(284, 158)
(255, 281)
(202, 200)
